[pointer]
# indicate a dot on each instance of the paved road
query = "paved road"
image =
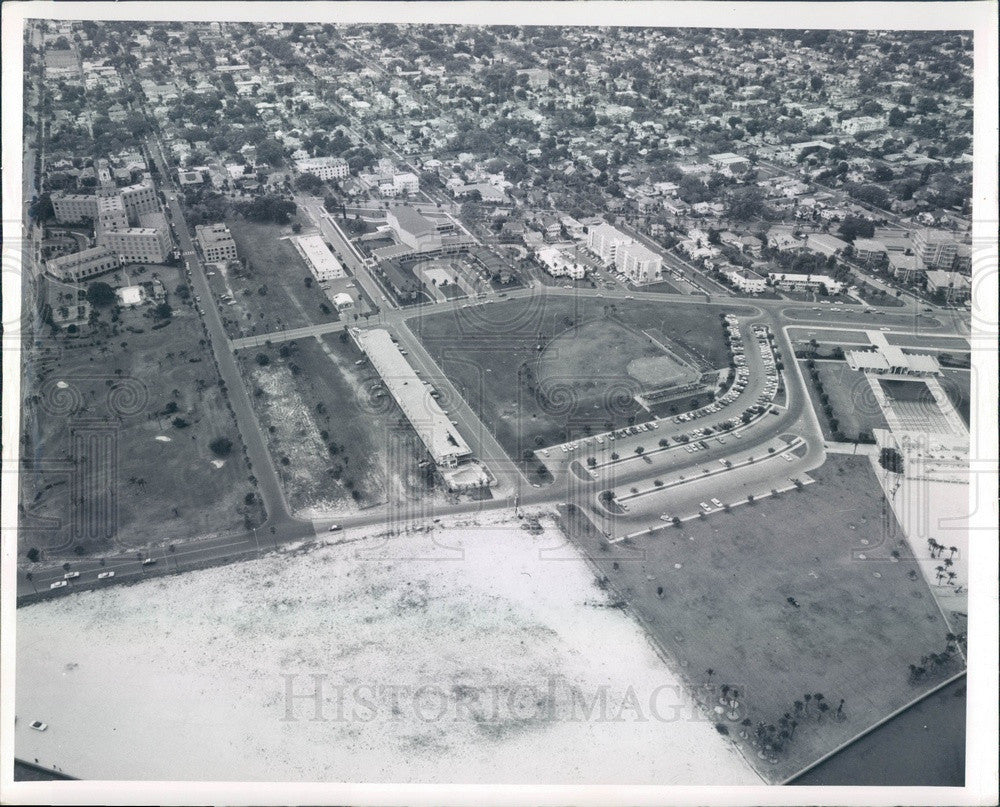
(268, 485)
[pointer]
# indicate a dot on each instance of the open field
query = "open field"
(470, 653)
(336, 446)
(854, 404)
(273, 293)
(490, 352)
(779, 599)
(116, 434)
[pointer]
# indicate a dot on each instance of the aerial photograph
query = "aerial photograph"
(430, 403)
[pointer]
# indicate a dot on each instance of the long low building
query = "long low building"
(322, 262)
(83, 265)
(442, 440)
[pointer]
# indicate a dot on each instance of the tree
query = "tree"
(100, 295)
(221, 446)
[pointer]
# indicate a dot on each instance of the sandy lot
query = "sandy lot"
(471, 653)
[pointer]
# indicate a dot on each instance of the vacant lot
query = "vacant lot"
(490, 352)
(117, 430)
(788, 596)
(337, 443)
(276, 291)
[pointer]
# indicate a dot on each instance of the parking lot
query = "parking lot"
(756, 382)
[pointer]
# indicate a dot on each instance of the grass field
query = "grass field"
(336, 446)
(152, 397)
(276, 268)
(778, 599)
(490, 353)
(854, 404)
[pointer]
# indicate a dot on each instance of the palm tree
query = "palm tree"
(823, 709)
(953, 550)
(798, 707)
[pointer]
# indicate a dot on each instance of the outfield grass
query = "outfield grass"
(776, 599)
(138, 384)
(490, 353)
(853, 402)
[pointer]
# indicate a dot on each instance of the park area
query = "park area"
(534, 369)
(855, 412)
(274, 290)
(138, 442)
(813, 591)
(474, 652)
(339, 444)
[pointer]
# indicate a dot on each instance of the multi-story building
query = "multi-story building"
(324, 167)
(71, 207)
(869, 251)
(83, 265)
(952, 286)
(936, 249)
(558, 264)
(138, 244)
(853, 126)
(216, 242)
(788, 280)
(824, 244)
(746, 280)
(638, 263)
(406, 183)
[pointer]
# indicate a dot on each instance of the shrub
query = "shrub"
(221, 446)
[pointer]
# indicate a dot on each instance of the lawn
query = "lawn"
(791, 595)
(145, 405)
(272, 294)
(336, 446)
(491, 353)
(854, 404)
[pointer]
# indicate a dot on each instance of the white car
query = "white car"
(334, 528)
(58, 584)
(716, 502)
(38, 725)
(105, 575)
(149, 562)
(705, 507)
(884, 328)
(71, 575)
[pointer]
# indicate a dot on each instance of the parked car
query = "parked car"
(58, 584)
(71, 575)
(38, 725)
(105, 575)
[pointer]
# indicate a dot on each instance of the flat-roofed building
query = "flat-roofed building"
(324, 167)
(71, 207)
(434, 428)
(788, 280)
(825, 244)
(952, 286)
(746, 280)
(343, 301)
(869, 251)
(216, 242)
(639, 263)
(936, 249)
(322, 262)
(558, 264)
(139, 198)
(83, 265)
(905, 267)
(138, 244)
(891, 360)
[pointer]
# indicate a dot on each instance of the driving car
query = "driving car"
(58, 584)
(105, 575)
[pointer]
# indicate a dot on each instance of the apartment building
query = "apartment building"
(746, 280)
(936, 249)
(216, 242)
(324, 167)
(639, 264)
(558, 264)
